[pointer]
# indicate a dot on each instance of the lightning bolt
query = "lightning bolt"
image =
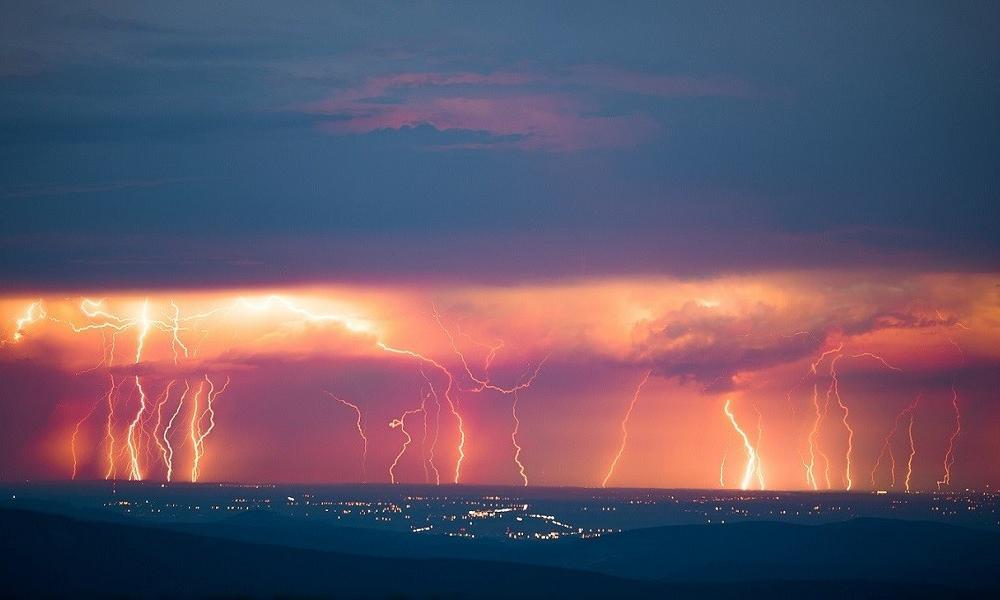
(76, 433)
(400, 423)
(513, 441)
(34, 312)
(835, 386)
(135, 472)
(109, 436)
(760, 435)
(452, 406)
(361, 433)
(484, 383)
(753, 459)
(835, 390)
(887, 450)
(814, 448)
(194, 430)
(949, 455)
(437, 428)
(722, 470)
(175, 339)
(352, 324)
(361, 326)
(815, 364)
(159, 420)
(913, 446)
(198, 435)
(424, 397)
(169, 456)
(624, 428)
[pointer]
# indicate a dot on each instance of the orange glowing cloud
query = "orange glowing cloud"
(124, 374)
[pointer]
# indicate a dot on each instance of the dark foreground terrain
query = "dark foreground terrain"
(50, 555)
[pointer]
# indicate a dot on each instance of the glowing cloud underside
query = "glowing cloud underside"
(171, 373)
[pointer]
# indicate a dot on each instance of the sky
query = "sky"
(774, 211)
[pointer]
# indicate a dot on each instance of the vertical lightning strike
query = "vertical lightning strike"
(760, 434)
(194, 430)
(452, 406)
(109, 436)
(722, 470)
(513, 441)
(753, 461)
(400, 423)
(814, 448)
(76, 433)
(835, 390)
(424, 397)
(198, 439)
(361, 433)
(169, 456)
(484, 383)
(887, 449)
(913, 446)
(624, 428)
(159, 421)
(135, 472)
(949, 455)
(437, 428)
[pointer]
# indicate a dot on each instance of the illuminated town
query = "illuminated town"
(509, 513)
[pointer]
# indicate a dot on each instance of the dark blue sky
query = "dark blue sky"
(152, 144)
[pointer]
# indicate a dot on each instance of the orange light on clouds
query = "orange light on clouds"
(583, 344)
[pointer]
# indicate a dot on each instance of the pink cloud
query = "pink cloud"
(532, 122)
(521, 110)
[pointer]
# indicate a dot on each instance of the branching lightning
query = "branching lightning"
(814, 448)
(199, 434)
(483, 383)
(833, 393)
(135, 472)
(160, 445)
(35, 312)
(437, 428)
(452, 406)
(887, 447)
(169, 457)
(400, 423)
